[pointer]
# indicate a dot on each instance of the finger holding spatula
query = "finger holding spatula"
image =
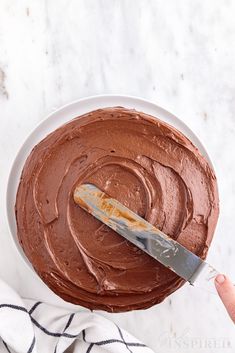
(226, 291)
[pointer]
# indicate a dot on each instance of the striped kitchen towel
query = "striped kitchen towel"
(27, 326)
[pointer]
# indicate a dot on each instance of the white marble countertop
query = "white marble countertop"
(179, 54)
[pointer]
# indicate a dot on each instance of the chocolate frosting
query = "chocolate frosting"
(144, 163)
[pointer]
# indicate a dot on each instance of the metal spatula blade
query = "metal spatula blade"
(145, 236)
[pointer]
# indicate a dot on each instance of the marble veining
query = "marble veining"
(178, 54)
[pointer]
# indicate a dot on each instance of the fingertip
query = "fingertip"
(220, 279)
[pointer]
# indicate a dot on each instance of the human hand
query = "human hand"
(226, 291)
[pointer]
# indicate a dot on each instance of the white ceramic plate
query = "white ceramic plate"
(68, 112)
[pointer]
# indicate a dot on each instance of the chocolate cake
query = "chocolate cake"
(146, 164)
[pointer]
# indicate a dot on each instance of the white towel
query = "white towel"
(27, 326)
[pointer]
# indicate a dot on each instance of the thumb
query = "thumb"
(226, 291)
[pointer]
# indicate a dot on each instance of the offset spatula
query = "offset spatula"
(145, 236)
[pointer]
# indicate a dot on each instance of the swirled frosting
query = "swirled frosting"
(141, 161)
